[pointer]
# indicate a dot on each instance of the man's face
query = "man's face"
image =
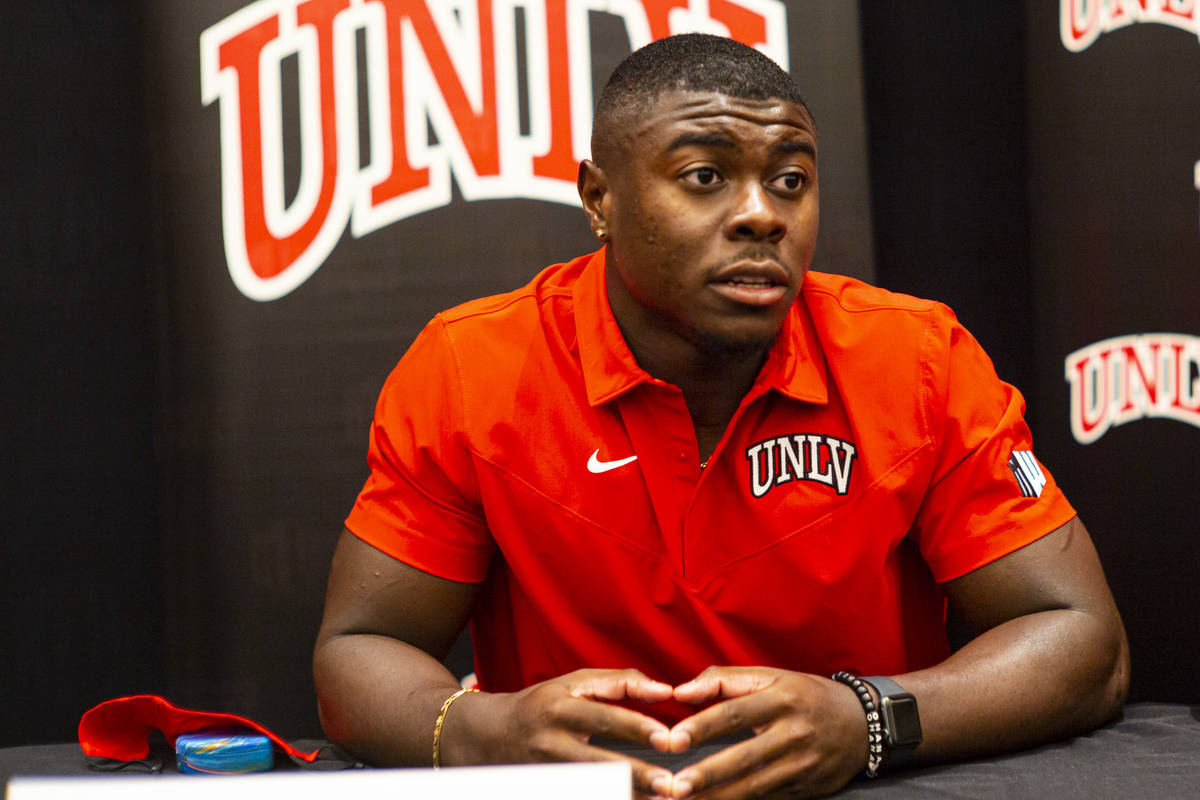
(712, 220)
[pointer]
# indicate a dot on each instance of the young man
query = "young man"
(677, 484)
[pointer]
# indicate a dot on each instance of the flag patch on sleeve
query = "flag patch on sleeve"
(1029, 475)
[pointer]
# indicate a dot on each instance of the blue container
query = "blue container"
(223, 752)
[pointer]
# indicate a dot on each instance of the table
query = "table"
(1152, 750)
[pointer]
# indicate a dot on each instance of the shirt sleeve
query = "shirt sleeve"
(989, 495)
(420, 503)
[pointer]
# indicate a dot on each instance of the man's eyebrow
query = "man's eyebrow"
(796, 146)
(701, 140)
(724, 141)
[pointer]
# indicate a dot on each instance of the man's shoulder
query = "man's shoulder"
(858, 323)
(834, 293)
(555, 282)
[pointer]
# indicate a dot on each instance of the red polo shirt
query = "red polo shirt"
(518, 443)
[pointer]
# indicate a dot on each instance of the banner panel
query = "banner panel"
(1114, 148)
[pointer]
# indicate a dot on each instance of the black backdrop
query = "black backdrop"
(178, 458)
(80, 554)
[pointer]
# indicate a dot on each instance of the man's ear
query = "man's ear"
(593, 193)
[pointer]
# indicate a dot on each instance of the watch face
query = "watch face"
(901, 720)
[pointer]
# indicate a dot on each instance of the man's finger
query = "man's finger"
(780, 779)
(723, 682)
(751, 711)
(744, 769)
(591, 718)
(628, 684)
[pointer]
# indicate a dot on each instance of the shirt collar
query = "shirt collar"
(609, 368)
(795, 366)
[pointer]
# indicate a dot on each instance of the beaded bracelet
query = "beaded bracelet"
(874, 728)
(441, 720)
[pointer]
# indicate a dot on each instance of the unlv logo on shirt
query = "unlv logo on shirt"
(800, 457)
(449, 66)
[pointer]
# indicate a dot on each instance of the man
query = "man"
(679, 483)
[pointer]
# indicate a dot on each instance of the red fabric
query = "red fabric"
(485, 431)
(120, 729)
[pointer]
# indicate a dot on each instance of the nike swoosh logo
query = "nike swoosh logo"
(597, 466)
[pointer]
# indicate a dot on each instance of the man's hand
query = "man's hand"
(810, 734)
(554, 720)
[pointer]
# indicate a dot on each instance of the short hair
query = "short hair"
(697, 62)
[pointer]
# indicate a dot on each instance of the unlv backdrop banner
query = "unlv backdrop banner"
(1114, 90)
(329, 174)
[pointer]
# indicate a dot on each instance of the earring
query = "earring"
(600, 234)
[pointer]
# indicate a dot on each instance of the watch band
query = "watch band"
(885, 685)
(901, 721)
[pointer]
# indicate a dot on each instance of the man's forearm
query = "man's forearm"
(1030, 680)
(379, 697)
(1051, 660)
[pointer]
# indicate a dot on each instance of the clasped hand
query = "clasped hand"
(810, 732)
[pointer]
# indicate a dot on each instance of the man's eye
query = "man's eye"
(789, 181)
(703, 176)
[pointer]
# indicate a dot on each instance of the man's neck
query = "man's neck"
(714, 376)
(713, 383)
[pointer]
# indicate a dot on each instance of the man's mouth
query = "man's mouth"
(755, 284)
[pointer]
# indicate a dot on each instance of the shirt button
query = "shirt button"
(682, 455)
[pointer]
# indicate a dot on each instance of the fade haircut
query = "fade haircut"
(697, 62)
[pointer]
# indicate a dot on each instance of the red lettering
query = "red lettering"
(744, 25)
(1150, 384)
(269, 255)
(479, 129)
(559, 161)
(1099, 399)
(1078, 30)
(1124, 12)
(242, 54)
(1183, 376)
(1180, 9)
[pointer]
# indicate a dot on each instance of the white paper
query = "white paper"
(594, 781)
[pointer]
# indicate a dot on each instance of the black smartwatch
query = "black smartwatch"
(901, 722)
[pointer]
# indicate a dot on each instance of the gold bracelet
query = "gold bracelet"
(441, 720)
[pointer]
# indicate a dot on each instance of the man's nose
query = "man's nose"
(755, 215)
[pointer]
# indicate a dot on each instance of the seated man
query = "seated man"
(676, 485)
